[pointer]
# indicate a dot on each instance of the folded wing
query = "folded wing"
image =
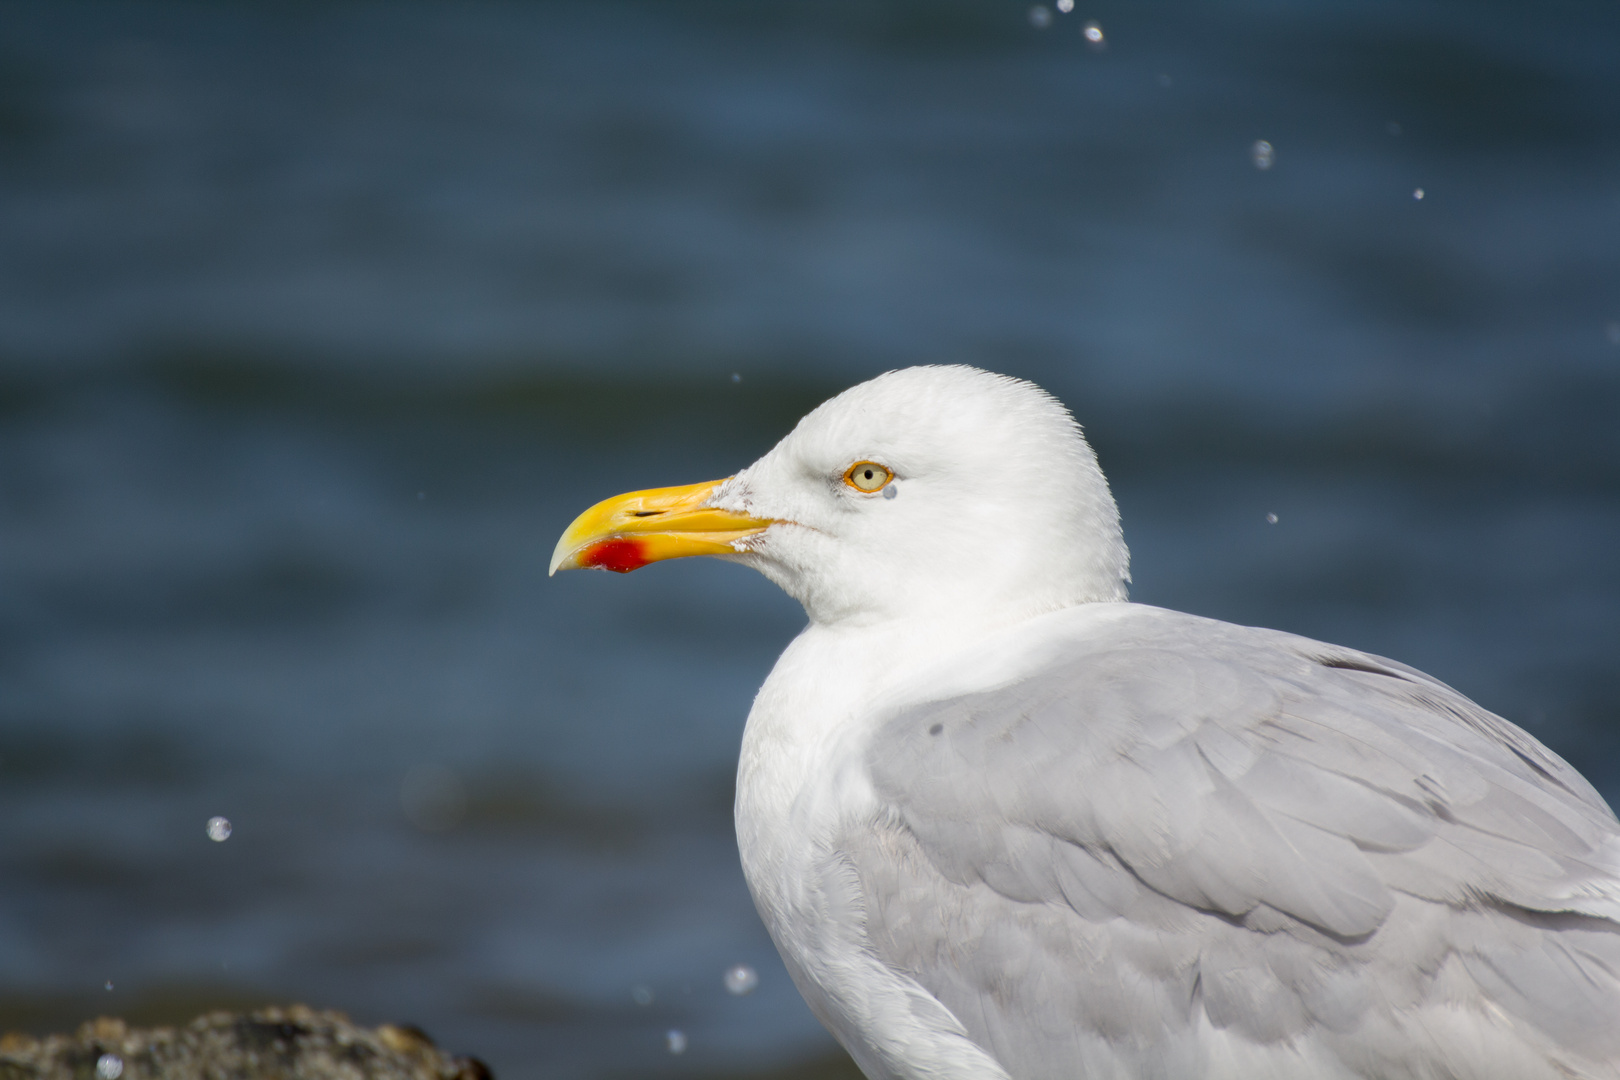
(1193, 843)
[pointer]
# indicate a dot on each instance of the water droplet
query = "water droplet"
(1417, 193)
(1094, 36)
(1263, 155)
(1165, 80)
(1065, 6)
(109, 1067)
(1272, 518)
(109, 984)
(641, 994)
(1040, 16)
(219, 829)
(675, 1038)
(1393, 128)
(420, 495)
(890, 492)
(736, 377)
(741, 980)
(1612, 332)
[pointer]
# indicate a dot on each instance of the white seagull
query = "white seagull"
(1002, 823)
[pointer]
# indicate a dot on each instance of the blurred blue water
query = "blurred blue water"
(318, 323)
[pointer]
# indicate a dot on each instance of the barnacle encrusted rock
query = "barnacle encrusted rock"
(292, 1043)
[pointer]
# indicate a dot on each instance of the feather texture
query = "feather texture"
(1178, 833)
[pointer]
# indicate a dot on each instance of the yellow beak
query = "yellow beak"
(627, 532)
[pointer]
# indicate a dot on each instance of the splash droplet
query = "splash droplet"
(1271, 519)
(219, 829)
(1393, 128)
(675, 1039)
(1040, 16)
(1417, 193)
(109, 984)
(1065, 6)
(1263, 154)
(736, 376)
(1094, 36)
(741, 980)
(109, 1067)
(1612, 332)
(641, 994)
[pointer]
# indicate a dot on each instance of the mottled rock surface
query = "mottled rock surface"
(293, 1043)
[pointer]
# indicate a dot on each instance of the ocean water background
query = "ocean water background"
(318, 322)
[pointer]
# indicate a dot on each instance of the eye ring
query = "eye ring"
(868, 477)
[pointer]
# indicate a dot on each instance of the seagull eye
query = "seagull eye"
(868, 476)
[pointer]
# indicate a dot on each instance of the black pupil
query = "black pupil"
(869, 474)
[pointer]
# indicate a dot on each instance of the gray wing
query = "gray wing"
(1191, 849)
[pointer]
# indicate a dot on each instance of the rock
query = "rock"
(292, 1043)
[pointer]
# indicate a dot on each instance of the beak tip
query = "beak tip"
(561, 559)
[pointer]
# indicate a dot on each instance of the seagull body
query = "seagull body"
(1002, 823)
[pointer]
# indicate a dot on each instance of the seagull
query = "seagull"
(1003, 824)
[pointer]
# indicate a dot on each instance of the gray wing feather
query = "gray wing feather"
(1188, 827)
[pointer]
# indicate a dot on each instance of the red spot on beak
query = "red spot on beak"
(619, 555)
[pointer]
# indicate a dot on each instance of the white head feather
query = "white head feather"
(999, 510)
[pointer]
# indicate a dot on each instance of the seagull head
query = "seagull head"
(930, 492)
